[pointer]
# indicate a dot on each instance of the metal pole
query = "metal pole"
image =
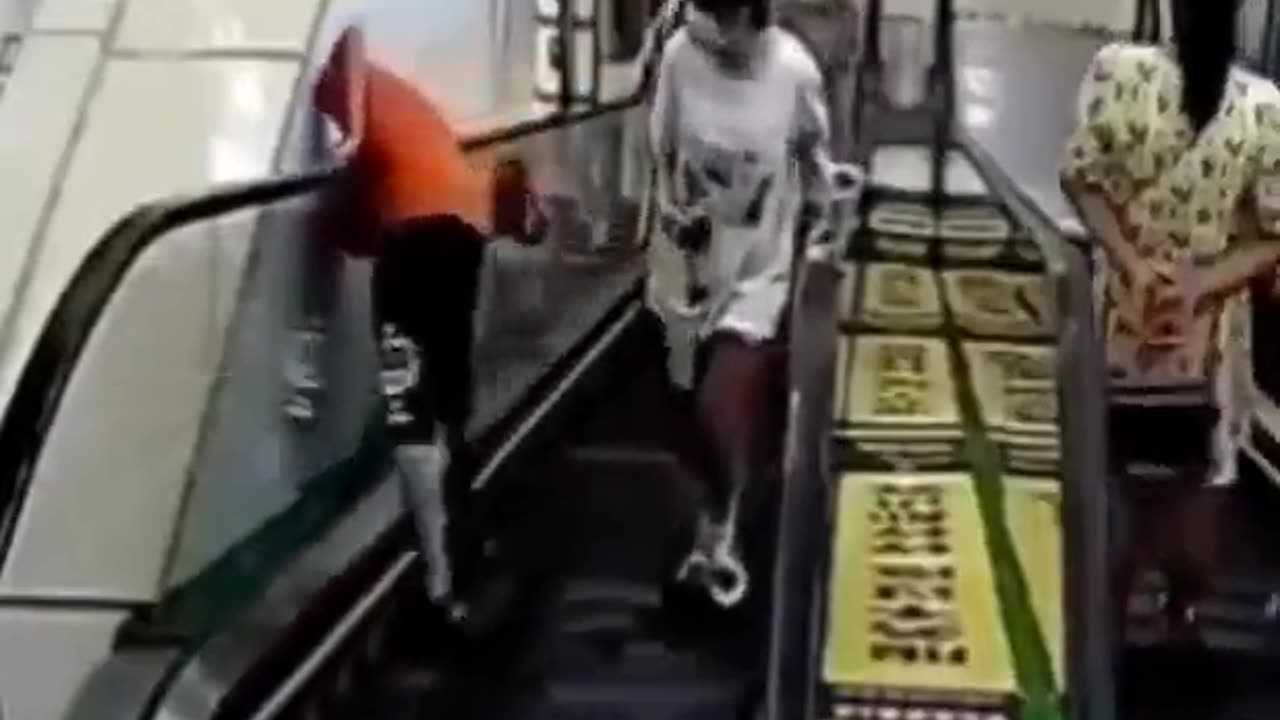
(564, 39)
(943, 85)
(866, 90)
(1087, 502)
(500, 36)
(1270, 63)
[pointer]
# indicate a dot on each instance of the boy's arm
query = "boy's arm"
(663, 124)
(340, 92)
(813, 136)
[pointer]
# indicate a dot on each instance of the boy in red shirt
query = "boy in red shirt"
(423, 210)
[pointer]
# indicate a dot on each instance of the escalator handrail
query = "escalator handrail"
(1086, 494)
(37, 394)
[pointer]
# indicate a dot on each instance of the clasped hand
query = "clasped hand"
(1162, 303)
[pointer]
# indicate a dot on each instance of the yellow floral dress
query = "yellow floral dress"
(1181, 198)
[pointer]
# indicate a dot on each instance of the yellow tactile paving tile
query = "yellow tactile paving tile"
(912, 604)
(908, 219)
(978, 232)
(903, 230)
(1034, 518)
(895, 382)
(1016, 385)
(1008, 304)
(899, 297)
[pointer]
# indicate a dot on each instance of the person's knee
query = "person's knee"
(736, 374)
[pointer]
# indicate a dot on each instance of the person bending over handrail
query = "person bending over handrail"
(422, 209)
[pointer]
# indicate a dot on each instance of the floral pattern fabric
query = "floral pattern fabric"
(1183, 198)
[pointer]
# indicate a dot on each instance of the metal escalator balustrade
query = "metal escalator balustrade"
(934, 289)
(35, 402)
(238, 219)
(590, 496)
(244, 583)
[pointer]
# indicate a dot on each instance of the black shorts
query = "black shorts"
(1161, 441)
(425, 290)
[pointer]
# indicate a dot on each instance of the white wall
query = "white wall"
(46, 654)
(15, 15)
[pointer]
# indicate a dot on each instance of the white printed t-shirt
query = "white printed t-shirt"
(735, 140)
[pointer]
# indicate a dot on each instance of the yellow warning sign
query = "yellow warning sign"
(895, 381)
(900, 298)
(912, 603)
(1016, 386)
(991, 302)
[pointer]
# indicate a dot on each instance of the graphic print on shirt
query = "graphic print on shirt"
(730, 185)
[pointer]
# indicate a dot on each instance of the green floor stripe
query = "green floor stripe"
(1032, 663)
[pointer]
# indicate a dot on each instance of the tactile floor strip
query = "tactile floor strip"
(931, 296)
(912, 603)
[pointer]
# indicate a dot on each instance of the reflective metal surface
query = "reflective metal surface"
(543, 301)
(203, 681)
(1086, 495)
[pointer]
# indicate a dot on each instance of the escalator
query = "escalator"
(319, 613)
(321, 599)
(599, 513)
(591, 513)
(583, 497)
(956, 535)
(599, 516)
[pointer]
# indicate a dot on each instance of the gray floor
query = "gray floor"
(1018, 89)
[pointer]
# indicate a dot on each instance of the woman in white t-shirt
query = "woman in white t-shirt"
(739, 130)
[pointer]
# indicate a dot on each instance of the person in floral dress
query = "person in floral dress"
(1174, 167)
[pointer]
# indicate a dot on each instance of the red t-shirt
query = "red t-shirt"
(408, 162)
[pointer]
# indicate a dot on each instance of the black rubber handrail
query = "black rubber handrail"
(38, 393)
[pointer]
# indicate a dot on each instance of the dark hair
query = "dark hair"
(1205, 34)
(760, 15)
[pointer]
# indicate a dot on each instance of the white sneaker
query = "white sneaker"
(714, 563)
(302, 374)
(698, 562)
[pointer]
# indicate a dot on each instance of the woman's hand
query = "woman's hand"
(1148, 278)
(1159, 301)
(1169, 315)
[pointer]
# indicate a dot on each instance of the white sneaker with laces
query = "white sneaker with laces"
(715, 564)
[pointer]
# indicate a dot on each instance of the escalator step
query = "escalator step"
(643, 687)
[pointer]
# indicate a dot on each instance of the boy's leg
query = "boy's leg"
(452, 260)
(425, 292)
